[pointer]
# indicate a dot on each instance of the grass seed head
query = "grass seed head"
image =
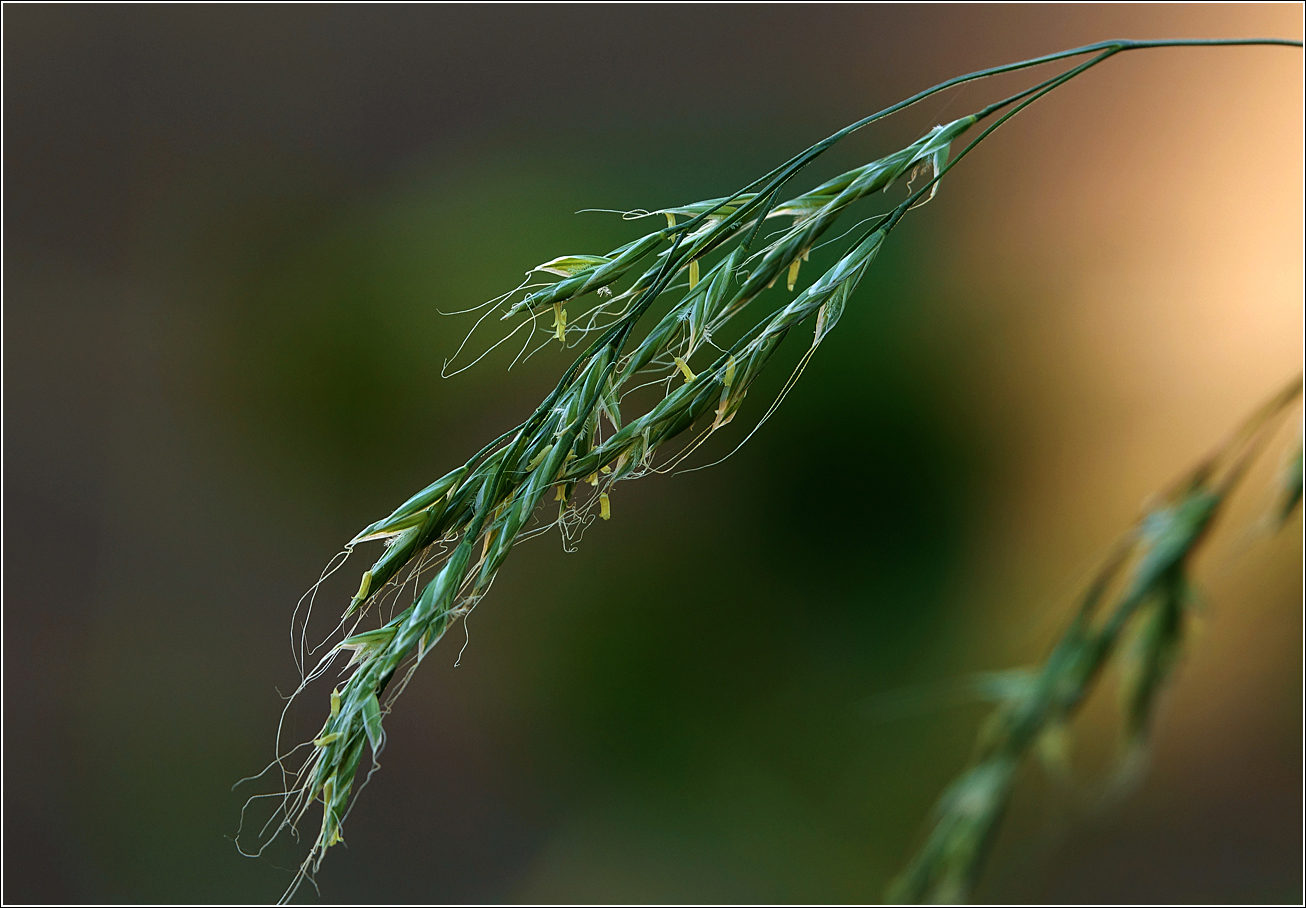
(463, 525)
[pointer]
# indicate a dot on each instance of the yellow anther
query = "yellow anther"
(693, 274)
(605, 507)
(593, 479)
(671, 219)
(684, 369)
(793, 273)
(327, 739)
(605, 470)
(560, 495)
(560, 322)
(335, 702)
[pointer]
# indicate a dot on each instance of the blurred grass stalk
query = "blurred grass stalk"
(467, 521)
(1134, 611)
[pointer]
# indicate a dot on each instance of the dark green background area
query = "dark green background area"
(228, 235)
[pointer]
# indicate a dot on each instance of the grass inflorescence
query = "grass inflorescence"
(708, 264)
(1133, 613)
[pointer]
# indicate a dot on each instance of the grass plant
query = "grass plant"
(1134, 613)
(708, 266)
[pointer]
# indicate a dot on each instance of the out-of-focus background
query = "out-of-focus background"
(227, 233)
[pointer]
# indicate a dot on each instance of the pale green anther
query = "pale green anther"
(335, 702)
(793, 273)
(539, 457)
(330, 825)
(327, 739)
(364, 587)
(687, 372)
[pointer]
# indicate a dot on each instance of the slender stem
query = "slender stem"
(776, 179)
(796, 163)
(1113, 46)
(1038, 92)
